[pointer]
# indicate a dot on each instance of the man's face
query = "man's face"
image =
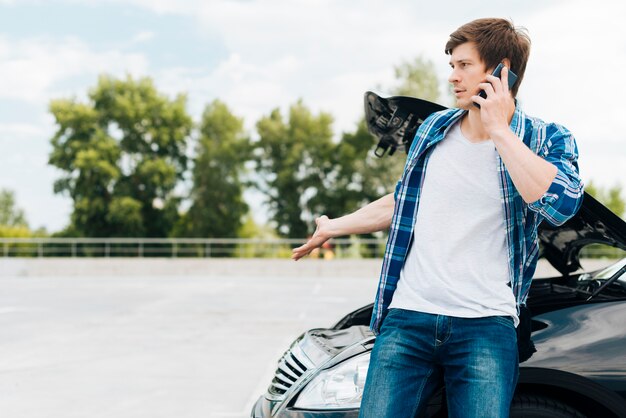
(468, 70)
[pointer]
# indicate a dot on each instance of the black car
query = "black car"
(572, 335)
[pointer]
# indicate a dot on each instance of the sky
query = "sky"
(256, 55)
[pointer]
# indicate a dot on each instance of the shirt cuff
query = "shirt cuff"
(552, 194)
(395, 193)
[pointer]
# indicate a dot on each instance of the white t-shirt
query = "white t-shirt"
(457, 264)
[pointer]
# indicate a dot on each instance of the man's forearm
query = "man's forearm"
(373, 217)
(531, 174)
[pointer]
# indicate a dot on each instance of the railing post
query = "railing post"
(140, 250)
(40, 250)
(107, 249)
(174, 249)
(73, 249)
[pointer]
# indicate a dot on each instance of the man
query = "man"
(462, 245)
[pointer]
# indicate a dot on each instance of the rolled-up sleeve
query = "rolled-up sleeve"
(397, 190)
(564, 196)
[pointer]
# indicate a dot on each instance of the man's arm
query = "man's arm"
(373, 217)
(531, 174)
(551, 186)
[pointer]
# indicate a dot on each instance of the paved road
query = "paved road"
(130, 347)
(96, 339)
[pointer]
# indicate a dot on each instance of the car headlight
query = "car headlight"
(338, 387)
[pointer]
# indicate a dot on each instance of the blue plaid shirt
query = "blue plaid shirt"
(550, 141)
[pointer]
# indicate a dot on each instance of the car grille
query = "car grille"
(289, 370)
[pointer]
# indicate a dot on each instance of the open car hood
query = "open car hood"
(592, 224)
(395, 120)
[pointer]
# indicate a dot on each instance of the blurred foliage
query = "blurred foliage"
(218, 208)
(10, 214)
(363, 177)
(305, 173)
(294, 163)
(123, 153)
(611, 197)
(13, 222)
(417, 78)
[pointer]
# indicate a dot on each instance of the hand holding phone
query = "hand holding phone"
(496, 73)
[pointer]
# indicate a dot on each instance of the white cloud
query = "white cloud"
(20, 130)
(328, 53)
(179, 7)
(249, 91)
(573, 73)
(323, 52)
(143, 36)
(573, 78)
(32, 69)
(336, 51)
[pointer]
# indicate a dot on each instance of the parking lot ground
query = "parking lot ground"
(155, 346)
(160, 338)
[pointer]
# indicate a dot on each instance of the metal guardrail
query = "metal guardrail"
(353, 247)
(182, 247)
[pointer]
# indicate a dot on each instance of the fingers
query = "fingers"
(504, 74)
(494, 87)
(316, 241)
(488, 87)
(305, 249)
(298, 254)
(502, 83)
(479, 100)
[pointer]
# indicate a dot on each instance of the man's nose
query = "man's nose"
(454, 77)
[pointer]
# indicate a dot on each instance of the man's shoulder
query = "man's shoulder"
(537, 125)
(447, 114)
(442, 118)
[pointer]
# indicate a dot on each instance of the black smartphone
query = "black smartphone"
(496, 73)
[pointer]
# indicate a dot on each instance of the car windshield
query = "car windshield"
(608, 272)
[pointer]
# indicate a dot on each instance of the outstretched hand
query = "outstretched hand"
(321, 235)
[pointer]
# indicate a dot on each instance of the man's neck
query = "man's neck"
(472, 125)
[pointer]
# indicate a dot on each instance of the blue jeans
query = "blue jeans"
(415, 353)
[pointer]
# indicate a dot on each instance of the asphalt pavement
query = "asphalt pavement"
(155, 346)
(160, 338)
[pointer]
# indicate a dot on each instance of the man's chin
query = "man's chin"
(464, 104)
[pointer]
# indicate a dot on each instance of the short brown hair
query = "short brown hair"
(495, 40)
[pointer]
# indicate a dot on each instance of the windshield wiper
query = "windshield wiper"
(608, 283)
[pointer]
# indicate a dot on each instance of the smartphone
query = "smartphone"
(496, 73)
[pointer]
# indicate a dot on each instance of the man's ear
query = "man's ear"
(507, 63)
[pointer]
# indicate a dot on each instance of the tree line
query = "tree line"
(135, 164)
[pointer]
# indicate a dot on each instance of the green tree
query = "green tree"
(218, 207)
(10, 214)
(417, 78)
(295, 165)
(13, 223)
(123, 153)
(363, 177)
(610, 197)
